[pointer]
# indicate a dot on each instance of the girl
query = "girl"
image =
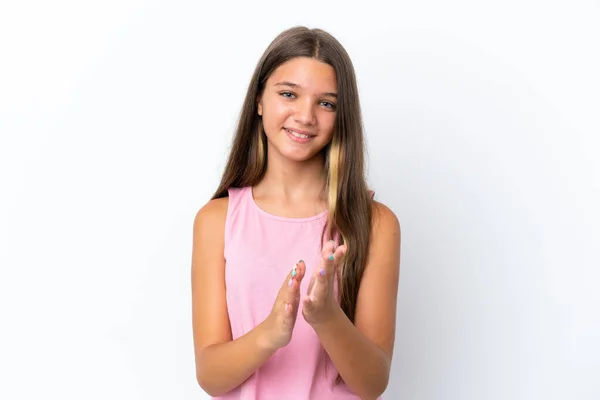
(295, 267)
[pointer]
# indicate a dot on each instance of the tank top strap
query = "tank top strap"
(238, 199)
(239, 196)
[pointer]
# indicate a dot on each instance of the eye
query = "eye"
(288, 95)
(328, 104)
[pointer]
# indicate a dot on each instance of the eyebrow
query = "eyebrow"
(296, 86)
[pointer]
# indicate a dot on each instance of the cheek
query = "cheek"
(327, 124)
(274, 116)
(274, 111)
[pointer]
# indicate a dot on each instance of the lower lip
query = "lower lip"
(298, 139)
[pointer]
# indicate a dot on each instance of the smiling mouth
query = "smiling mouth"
(298, 134)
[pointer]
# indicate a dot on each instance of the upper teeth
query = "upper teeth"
(298, 135)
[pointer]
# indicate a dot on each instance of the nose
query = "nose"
(304, 113)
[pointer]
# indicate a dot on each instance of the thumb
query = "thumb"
(307, 304)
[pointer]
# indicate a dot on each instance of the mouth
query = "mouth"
(298, 134)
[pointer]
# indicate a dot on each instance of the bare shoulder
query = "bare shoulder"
(213, 212)
(376, 302)
(384, 247)
(384, 222)
(209, 306)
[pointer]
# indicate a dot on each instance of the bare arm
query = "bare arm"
(222, 364)
(362, 353)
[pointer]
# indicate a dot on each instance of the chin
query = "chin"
(296, 153)
(298, 156)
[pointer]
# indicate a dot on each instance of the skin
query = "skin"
(300, 95)
(362, 351)
(295, 176)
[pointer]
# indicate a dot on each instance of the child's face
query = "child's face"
(298, 108)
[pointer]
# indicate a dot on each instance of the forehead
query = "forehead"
(310, 74)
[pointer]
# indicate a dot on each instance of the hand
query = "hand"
(320, 303)
(280, 323)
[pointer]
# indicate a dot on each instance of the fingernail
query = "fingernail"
(331, 257)
(322, 272)
(291, 282)
(294, 272)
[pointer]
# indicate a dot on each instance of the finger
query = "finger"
(290, 314)
(328, 254)
(313, 280)
(291, 294)
(316, 289)
(331, 260)
(328, 248)
(295, 275)
(307, 304)
(288, 308)
(338, 256)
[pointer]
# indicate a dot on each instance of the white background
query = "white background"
(482, 120)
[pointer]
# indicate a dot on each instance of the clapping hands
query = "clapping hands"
(319, 303)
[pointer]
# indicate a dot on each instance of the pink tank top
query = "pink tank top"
(260, 250)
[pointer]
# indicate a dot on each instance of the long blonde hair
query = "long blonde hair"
(349, 202)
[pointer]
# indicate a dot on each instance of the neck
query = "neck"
(292, 179)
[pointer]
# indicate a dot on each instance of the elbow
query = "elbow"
(207, 382)
(208, 386)
(376, 385)
(211, 378)
(204, 378)
(384, 380)
(377, 389)
(204, 384)
(382, 386)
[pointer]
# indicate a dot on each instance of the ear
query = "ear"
(259, 105)
(260, 108)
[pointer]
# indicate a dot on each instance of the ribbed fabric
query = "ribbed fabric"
(260, 250)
